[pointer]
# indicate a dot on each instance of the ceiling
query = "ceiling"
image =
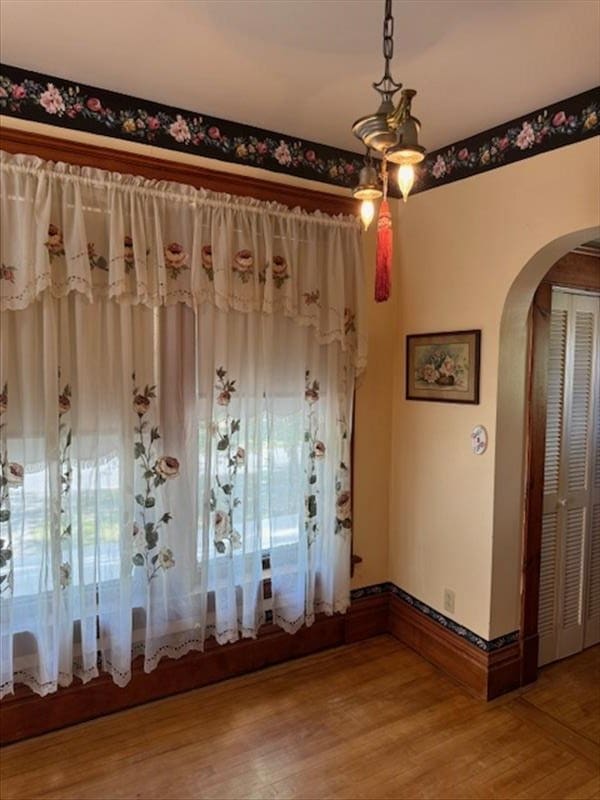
(305, 67)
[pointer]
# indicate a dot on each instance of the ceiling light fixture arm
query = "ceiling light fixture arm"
(401, 114)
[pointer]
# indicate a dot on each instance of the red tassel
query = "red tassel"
(383, 271)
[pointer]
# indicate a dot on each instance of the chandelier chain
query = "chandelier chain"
(388, 37)
(387, 86)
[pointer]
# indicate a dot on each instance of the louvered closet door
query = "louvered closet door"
(569, 611)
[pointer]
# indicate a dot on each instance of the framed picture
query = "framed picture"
(443, 367)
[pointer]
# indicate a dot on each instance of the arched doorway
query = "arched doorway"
(518, 469)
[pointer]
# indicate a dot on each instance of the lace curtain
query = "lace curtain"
(177, 376)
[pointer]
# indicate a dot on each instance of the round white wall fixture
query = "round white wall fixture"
(479, 440)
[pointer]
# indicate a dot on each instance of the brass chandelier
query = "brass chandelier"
(393, 132)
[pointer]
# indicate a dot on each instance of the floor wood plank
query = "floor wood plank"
(369, 720)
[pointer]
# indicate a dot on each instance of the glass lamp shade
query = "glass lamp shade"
(367, 193)
(368, 184)
(407, 150)
(406, 154)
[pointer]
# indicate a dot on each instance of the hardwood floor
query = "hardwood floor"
(368, 720)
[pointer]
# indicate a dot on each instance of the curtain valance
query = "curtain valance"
(154, 243)
(175, 419)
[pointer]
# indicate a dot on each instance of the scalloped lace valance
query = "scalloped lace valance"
(67, 228)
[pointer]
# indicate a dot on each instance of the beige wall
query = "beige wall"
(372, 433)
(455, 521)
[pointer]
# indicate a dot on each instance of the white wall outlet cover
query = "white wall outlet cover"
(479, 440)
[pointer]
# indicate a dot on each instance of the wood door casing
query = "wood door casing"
(574, 271)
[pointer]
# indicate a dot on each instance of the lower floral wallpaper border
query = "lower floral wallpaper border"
(67, 104)
(428, 611)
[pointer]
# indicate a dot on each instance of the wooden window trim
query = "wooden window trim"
(51, 148)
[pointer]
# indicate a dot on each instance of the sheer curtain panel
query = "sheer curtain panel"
(177, 378)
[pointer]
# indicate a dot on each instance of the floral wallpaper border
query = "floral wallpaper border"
(455, 627)
(562, 123)
(67, 104)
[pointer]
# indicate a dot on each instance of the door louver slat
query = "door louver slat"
(579, 419)
(554, 409)
(547, 608)
(573, 568)
(593, 598)
(596, 480)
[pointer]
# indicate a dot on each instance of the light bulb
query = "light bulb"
(406, 178)
(367, 212)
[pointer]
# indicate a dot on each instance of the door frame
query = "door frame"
(575, 270)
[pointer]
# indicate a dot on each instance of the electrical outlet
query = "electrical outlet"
(449, 600)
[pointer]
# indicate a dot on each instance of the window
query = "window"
(179, 372)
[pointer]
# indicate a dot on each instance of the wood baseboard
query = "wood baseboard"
(367, 617)
(25, 714)
(487, 675)
(504, 670)
(529, 658)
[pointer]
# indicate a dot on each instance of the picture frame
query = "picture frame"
(443, 367)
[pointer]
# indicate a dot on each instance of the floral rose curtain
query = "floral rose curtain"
(177, 375)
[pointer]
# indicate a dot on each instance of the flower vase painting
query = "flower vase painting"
(443, 367)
